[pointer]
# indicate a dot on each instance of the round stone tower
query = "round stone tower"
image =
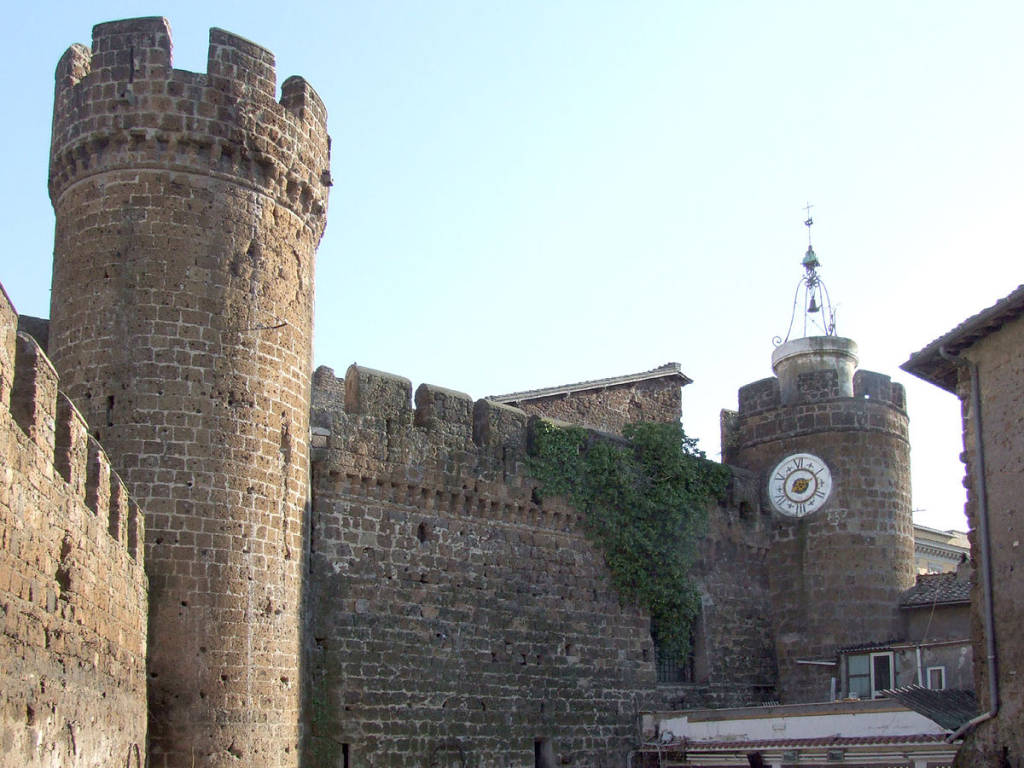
(830, 446)
(189, 208)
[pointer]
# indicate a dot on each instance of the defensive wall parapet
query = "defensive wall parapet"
(820, 386)
(372, 417)
(121, 105)
(73, 593)
(878, 405)
(438, 576)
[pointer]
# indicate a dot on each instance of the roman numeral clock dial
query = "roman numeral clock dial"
(799, 485)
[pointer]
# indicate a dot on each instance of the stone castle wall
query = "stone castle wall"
(433, 612)
(451, 616)
(734, 656)
(72, 588)
(837, 574)
(189, 207)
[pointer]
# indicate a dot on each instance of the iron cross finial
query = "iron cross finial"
(808, 222)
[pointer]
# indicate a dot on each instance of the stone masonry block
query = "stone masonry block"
(872, 386)
(8, 332)
(299, 98)
(760, 395)
(436, 405)
(34, 394)
(97, 480)
(118, 509)
(130, 44)
(376, 393)
(495, 425)
(234, 61)
(71, 451)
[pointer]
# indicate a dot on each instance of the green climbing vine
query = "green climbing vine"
(643, 502)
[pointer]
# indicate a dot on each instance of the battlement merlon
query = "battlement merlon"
(821, 386)
(8, 346)
(368, 414)
(451, 415)
(880, 388)
(62, 447)
(121, 105)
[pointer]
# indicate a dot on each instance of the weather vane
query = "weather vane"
(816, 304)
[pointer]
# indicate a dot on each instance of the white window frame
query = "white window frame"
(928, 676)
(874, 684)
(875, 687)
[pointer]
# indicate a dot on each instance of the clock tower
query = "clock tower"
(829, 446)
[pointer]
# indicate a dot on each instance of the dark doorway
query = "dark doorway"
(543, 754)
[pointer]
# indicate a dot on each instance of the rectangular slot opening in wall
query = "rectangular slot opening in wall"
(543, 754)
(344, 756)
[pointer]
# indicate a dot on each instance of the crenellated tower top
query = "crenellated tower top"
(189, 207)
(123, 105)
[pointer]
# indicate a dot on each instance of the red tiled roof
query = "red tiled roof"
(937, 589)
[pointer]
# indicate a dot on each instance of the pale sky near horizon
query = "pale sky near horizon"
(534, 193)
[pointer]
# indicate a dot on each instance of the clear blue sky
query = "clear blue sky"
(533, 193)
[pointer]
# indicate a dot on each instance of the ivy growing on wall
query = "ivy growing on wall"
(643, 502)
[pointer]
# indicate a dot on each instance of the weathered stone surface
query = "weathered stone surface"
(72, 596)
(446, 607)
(421, 607)
(734, 655)
(836, 575)
(610, 408)
(189, 207)
(1000, 360)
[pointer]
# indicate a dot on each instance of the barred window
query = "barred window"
(674, 671)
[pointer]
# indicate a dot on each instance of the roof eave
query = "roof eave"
(930, 365)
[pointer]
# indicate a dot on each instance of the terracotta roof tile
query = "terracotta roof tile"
(876, 645)
(937, 588)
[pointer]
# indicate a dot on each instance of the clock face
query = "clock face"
(799, 485)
